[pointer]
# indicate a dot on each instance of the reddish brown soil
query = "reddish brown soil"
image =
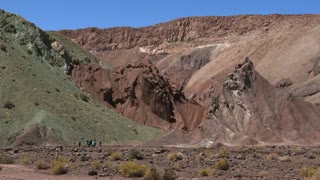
(255, 162)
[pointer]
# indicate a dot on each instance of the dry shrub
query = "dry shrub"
(223, 153)
(169, 174)
(263, 173)
(135, 154)
(116, 156)
(41, 165)
(222, 164)
(96, 164)
(207, 172)
(272, 156)
(152, 174)
(59, 165)
(316, 175)
(175, 156)
(133, 169)
(6, 160)
(107, 164)
(307, 172)
(25, 159)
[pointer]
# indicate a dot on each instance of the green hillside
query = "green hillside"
(39, 104)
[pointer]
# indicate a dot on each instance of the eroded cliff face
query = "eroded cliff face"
(180, 30)
(139, 92)
(251, 111)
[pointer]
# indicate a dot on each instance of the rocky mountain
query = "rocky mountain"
(190, 75)
(39, 104)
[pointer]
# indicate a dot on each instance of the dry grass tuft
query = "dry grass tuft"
(207, 172)
(59, 166)
(132, 169)
(116, 156)
(173, 156)
(222, 164)
(41, 165)
(307, 172)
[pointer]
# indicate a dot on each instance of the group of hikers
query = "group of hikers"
(92, 143)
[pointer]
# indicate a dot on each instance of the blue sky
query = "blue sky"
(75, 14)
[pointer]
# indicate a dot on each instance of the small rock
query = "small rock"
(155, 155)
(102, 175)
(15, 151)
(92, 173)
(240, 156)
(237, 175)
(8, 149)
(309, 155)
(285, 159)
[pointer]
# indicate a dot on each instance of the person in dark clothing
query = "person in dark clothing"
(100, 143)
(79, 144)
(88, 143)
(93, 143)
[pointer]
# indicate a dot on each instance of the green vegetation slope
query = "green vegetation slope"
(38, 102)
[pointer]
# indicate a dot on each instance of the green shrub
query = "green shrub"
(3, 47)
(207, 172)
(223, 153)
(307, 171)
(222, 164)
(115, 156)
(84, 97)
(152, 174)
(6, 160)
(42, 165)
(133, 169)
(59, 165)
(175, 156)
(135, 154)
(76, 95)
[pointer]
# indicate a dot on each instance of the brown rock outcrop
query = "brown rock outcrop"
(183, 29)
(250, 110)
(139, 92)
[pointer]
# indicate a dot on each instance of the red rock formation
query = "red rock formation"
(139, 92)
